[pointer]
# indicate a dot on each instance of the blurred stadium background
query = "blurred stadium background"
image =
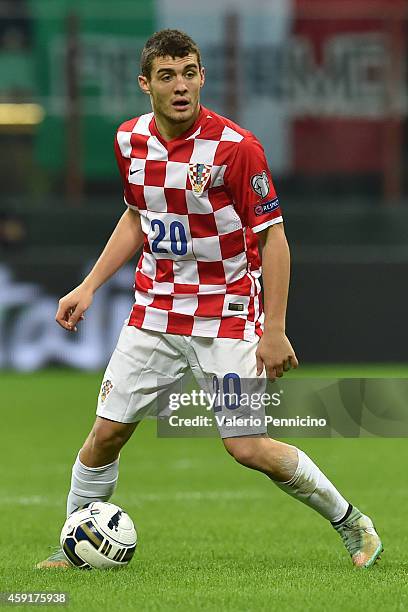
(323, 84)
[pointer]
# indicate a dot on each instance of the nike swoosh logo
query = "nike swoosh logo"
(134, 171)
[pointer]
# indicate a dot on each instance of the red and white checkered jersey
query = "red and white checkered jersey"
(201, 197)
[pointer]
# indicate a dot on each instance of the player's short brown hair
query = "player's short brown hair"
(174, 43)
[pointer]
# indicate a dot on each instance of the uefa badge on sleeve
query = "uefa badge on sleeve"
(106, 388)
(199, 175)
(260, 184)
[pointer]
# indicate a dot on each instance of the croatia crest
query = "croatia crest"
(106, 388)
(199, 175)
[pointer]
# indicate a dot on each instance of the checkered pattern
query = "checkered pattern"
(199, 271)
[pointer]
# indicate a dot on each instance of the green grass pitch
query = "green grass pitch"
(212, 534)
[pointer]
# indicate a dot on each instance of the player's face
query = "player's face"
(174, 88)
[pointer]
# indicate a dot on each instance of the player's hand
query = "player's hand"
(276, 354)
(72, 306)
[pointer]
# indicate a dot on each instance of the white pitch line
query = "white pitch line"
(29, 500)
(135, 498)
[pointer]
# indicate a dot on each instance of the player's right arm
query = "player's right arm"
(125, 241)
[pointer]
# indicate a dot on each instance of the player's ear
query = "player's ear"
(202, 74)
(143, 84)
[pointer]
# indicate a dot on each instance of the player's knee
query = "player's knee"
(107, 437)
(244, 452)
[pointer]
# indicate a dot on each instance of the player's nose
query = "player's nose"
(180, 85)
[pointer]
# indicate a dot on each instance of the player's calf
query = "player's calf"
(105, 441)
(275, 459)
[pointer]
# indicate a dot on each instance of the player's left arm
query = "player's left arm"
(275, 352)
(249, 181)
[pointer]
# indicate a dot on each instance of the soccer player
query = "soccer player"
(199, 198)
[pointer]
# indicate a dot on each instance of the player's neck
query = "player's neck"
(169, 130)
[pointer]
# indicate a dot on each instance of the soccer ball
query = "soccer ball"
(98, 535)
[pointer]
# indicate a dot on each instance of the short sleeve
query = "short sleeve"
(122, 163)
(250, 183)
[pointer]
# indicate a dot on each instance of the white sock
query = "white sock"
(91, 484)
(310, 486)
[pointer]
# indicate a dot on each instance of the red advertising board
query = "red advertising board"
(352, 67)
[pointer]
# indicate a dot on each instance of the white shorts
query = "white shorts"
(145, 364)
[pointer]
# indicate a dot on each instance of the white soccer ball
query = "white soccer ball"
(99, 535)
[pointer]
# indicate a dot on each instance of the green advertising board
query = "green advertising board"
(111, 36)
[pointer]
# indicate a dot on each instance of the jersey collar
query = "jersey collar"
(198, 122)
